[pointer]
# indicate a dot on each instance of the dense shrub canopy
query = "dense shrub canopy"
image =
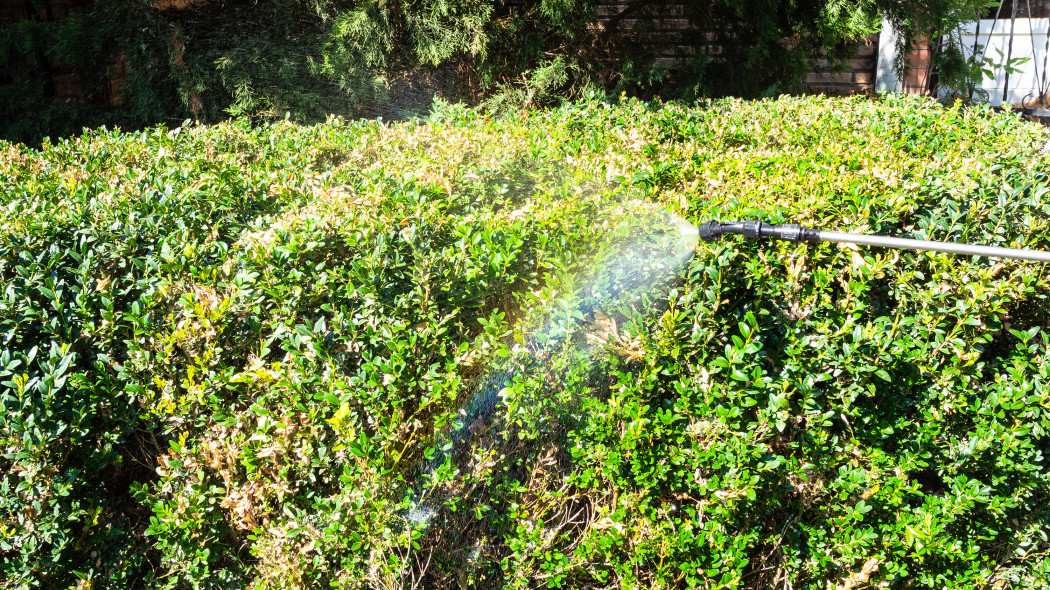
(226, 351)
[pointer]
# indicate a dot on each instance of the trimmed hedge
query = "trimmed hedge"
(229, 352)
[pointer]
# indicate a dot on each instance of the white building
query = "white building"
(1014, 34)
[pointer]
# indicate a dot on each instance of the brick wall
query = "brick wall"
(918, 79)
(668, 30)
(65, 83)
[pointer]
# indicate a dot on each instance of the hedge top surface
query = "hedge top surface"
(227, 351)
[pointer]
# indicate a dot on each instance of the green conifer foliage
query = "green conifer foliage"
(308, 59)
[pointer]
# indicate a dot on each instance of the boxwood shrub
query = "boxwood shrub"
(235, 356)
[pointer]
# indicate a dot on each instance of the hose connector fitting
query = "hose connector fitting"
(757, 230)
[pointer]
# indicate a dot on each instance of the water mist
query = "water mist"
(657, 247)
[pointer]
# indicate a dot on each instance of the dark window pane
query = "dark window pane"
(1023, 9)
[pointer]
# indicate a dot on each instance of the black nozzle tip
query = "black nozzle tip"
(710, 231)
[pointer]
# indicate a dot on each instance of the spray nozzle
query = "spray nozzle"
(757, 230)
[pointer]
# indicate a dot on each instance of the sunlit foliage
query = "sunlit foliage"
(225, 351)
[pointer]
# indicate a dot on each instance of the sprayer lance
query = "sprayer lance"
(792, 232)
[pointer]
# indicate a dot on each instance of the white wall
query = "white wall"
(885, 78)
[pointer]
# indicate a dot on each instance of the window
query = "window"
(1022, 9)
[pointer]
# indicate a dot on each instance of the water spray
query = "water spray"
(653, 256)
(791, 232)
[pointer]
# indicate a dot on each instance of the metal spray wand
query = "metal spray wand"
(792, 232)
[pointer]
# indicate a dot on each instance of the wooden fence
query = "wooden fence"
(859, 77)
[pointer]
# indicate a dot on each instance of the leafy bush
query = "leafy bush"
(233, 356)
